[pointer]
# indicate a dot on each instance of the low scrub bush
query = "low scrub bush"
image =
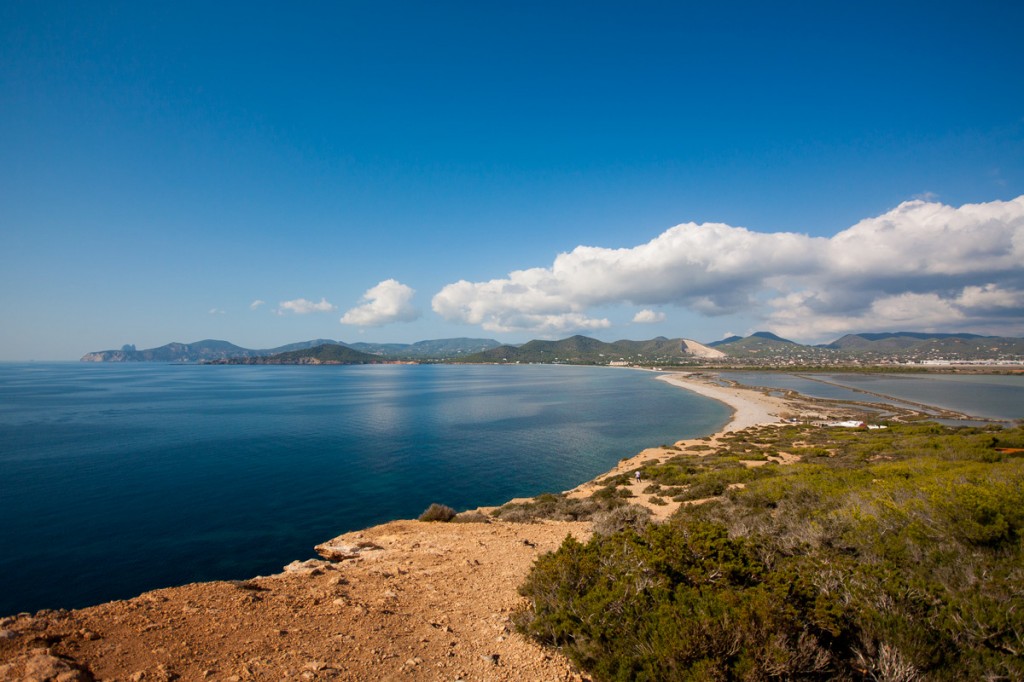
(617, 520)
(437, 512)
(559, 507)
(900, 556)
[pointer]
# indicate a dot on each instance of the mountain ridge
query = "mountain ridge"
(324, 354)
(209, 350)
(758, 348)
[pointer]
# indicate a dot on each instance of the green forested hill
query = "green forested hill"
(332, 354)
(585, 350)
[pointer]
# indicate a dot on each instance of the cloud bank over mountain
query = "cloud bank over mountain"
(923, 265)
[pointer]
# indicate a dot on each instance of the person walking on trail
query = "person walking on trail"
(637, 476)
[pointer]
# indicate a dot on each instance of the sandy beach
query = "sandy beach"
(409, 599)
(750, 408)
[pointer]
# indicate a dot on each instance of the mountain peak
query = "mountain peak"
(771, 337)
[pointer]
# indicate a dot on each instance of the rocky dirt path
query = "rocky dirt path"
(418, 601)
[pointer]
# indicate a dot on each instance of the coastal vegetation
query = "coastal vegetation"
(326, 354)
(438, 512)
(892, 554)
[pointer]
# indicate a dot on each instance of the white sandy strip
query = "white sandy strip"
(751, 408)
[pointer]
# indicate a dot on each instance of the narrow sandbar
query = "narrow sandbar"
(750, 407)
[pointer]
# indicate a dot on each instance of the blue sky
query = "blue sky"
(269, 173)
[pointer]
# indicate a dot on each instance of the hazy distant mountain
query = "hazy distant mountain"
(658, 347)
(448, 348)
(721, 342)
(301, 345)
(209, 350)
(434, 349)
(758, 348)
(757, 344)
(326, 354)
(930, 345)
(771, 337)
(585, 350)
(893, 340)
(173, 352)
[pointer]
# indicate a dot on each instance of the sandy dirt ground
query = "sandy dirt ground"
(416, 601)
(404, 600)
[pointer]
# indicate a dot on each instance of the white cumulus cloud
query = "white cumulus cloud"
(257, 304)
(648, 316)
(301, 306)
(922, 264)
(390, 301)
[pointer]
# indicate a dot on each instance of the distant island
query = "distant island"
(760, 349)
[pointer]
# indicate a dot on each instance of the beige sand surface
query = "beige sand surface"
(751, 408)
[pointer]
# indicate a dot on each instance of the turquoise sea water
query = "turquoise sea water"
(118, 478)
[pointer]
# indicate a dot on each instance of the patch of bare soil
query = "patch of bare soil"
(414, 600)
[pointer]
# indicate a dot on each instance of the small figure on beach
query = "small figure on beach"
(638, 476)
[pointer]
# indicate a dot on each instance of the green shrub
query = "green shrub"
(753, 457)
(900, 556)
(437, 512)
(559, 507)
(677, 601)
(618, 519)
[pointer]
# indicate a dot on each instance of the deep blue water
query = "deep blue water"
(119, 478)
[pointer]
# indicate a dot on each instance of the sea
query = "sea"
(120, 478)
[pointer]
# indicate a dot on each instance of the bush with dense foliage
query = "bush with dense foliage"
(897, 555)
(438, 512)
(560, 507)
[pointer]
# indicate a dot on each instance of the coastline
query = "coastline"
(406, 598)
(750, 407)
